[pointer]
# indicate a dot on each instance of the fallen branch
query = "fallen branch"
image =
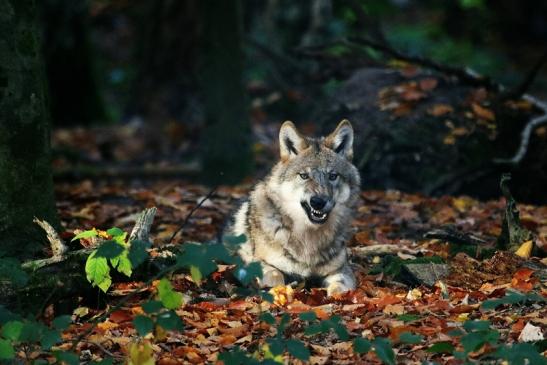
(140, 231)
(451, 235)
(465, 75)
(526, 132)
(383, 249)
(472, 78)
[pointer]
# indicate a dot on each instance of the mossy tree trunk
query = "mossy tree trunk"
(227, 139)
(26, 187)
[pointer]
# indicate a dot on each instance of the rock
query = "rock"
(423, 273)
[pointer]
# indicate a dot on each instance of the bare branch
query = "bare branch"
(526, 132)
(187, 218)
(465, 75)
(521, 88)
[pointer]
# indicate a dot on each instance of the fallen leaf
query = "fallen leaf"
(141, 353)
(438, 110)
(530, 333)
(428, 83)
(525, 249)
(394, 309)
(483, 112)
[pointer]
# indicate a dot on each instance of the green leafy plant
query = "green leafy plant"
(29, 335)
(324, 326)
(279, 343)
(476, 334)
(513, 297)
(381, 346)
(115, 253)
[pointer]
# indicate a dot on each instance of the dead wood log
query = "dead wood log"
(63, 274)
(452, 235)
(470, 77)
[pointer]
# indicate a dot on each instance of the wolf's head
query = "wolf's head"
(315, 179)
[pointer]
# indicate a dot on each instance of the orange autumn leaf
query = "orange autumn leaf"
(523, 273)
(438, 110)
(483, 112)
(428, 84)
(120, 316)
(227, 339)
(412, 95)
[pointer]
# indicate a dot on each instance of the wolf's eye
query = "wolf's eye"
(333, 176)
(304, 176)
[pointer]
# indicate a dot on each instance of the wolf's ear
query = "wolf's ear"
(291, 143)
(341, 140)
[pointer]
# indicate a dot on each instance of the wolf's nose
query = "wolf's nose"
(317, 202)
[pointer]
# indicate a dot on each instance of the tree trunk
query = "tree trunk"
(227, 139)
(26, 186)
(75, 90)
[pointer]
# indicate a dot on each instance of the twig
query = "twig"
(521, 88)
(187, 218)
(526, 132)
(103, 349)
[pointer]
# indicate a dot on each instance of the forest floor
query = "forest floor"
(388, 231)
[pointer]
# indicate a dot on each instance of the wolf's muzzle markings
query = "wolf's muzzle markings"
(297, 219)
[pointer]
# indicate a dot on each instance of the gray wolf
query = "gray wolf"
(297, 219)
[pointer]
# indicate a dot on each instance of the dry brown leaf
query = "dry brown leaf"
(438, 110)
(482, 112)
(394, 309)
(428, 84)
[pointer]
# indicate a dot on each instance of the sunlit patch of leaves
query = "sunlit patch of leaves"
(117, 253)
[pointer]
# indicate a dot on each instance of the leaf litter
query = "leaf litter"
(412, 318)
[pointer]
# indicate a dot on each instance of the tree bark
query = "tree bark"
(71, 65)
(26, 186)
(227, 140)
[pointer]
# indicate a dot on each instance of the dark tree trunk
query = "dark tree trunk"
(75, 91)
(227, 140)
(26, 187)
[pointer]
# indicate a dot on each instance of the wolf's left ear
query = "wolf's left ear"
(341, 140)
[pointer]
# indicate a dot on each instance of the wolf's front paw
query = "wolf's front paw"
(337, 288)
(271, 278)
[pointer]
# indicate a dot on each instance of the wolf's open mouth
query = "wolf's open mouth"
(315, 216)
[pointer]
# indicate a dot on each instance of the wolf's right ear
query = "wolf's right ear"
(290, 141)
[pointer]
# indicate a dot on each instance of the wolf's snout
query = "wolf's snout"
(318, 202)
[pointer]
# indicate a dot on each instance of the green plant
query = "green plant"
(115, 252)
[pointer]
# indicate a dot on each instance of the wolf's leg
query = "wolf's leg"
(271, 277)
(340, 281)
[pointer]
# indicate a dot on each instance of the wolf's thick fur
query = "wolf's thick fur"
(284, 231)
